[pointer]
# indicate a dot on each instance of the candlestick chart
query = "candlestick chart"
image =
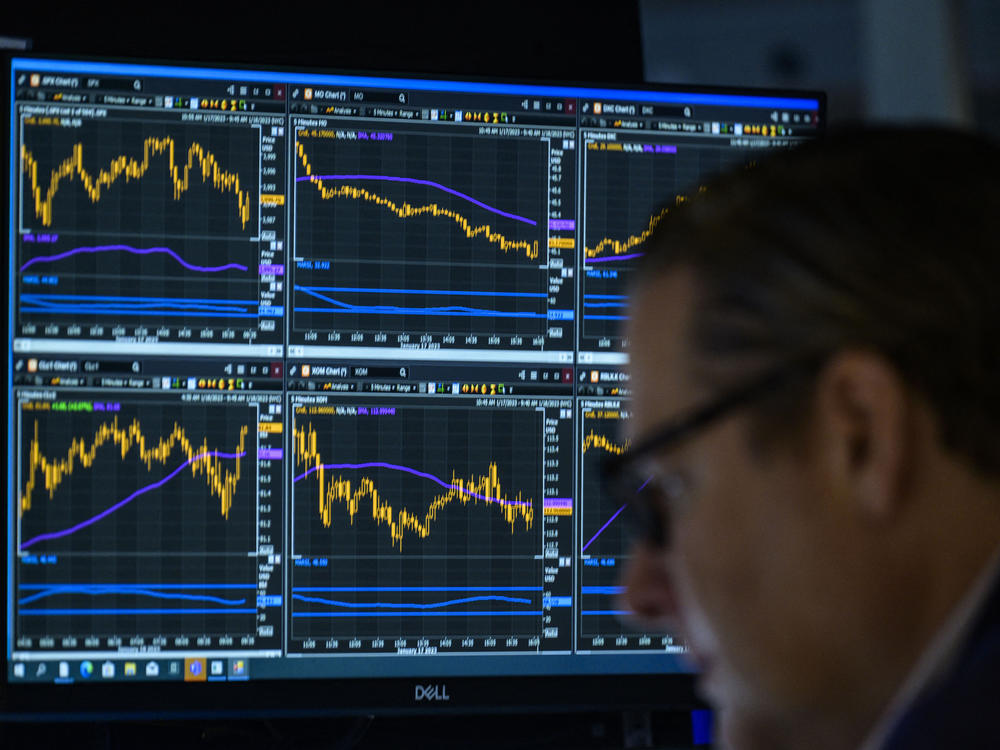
(135, 517)
(116, 176)
(141, 222)
(602, 532)
(630, 188)
(412, 233)
(604, 537)
(415, 520)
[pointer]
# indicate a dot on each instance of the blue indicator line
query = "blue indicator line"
(131, 591)
(54, 306)
(99, 305)
(415, 614)
(419, 311)
(52, 612)
(616, 612)
(343, 307)
(363, 290)
(407, 605)
(132, 300)
(603, 304)
(451, 310)
(88, 311)
(603, 589)
(605, 317)
(137, 305)
(416, 588)
(605, 296)
(31, 586)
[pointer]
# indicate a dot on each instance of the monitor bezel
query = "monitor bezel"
(256, 698)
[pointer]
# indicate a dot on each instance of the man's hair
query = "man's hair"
(885, 240)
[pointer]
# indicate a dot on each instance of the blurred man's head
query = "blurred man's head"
(824, 521)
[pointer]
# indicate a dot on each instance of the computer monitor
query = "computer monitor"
(310, 376)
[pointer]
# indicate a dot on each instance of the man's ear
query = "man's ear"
(864, 415)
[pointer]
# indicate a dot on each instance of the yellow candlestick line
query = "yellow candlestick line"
(596, 440)
(406, 210)
(338, 490)
(131, 169)
(221, 480)
(608, 246)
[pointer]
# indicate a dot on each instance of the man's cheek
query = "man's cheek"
(696, 623)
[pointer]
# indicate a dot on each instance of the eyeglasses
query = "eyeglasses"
(648, 499)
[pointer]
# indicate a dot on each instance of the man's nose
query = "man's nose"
(650, 594)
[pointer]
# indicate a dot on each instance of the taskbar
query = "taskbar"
(168, 668)
(216, 667)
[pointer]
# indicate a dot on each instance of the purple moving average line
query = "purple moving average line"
(127, 500)
(415, 181)
(414, 472)
(613, 257)
(134, 251)
(617, 513)
(608, 523)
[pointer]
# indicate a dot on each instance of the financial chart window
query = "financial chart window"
(305, 367)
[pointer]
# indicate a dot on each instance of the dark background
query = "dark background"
(513, 39)
(878, 59)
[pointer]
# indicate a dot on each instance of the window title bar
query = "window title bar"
(71, 67)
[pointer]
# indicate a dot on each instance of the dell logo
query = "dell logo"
(431, 693)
